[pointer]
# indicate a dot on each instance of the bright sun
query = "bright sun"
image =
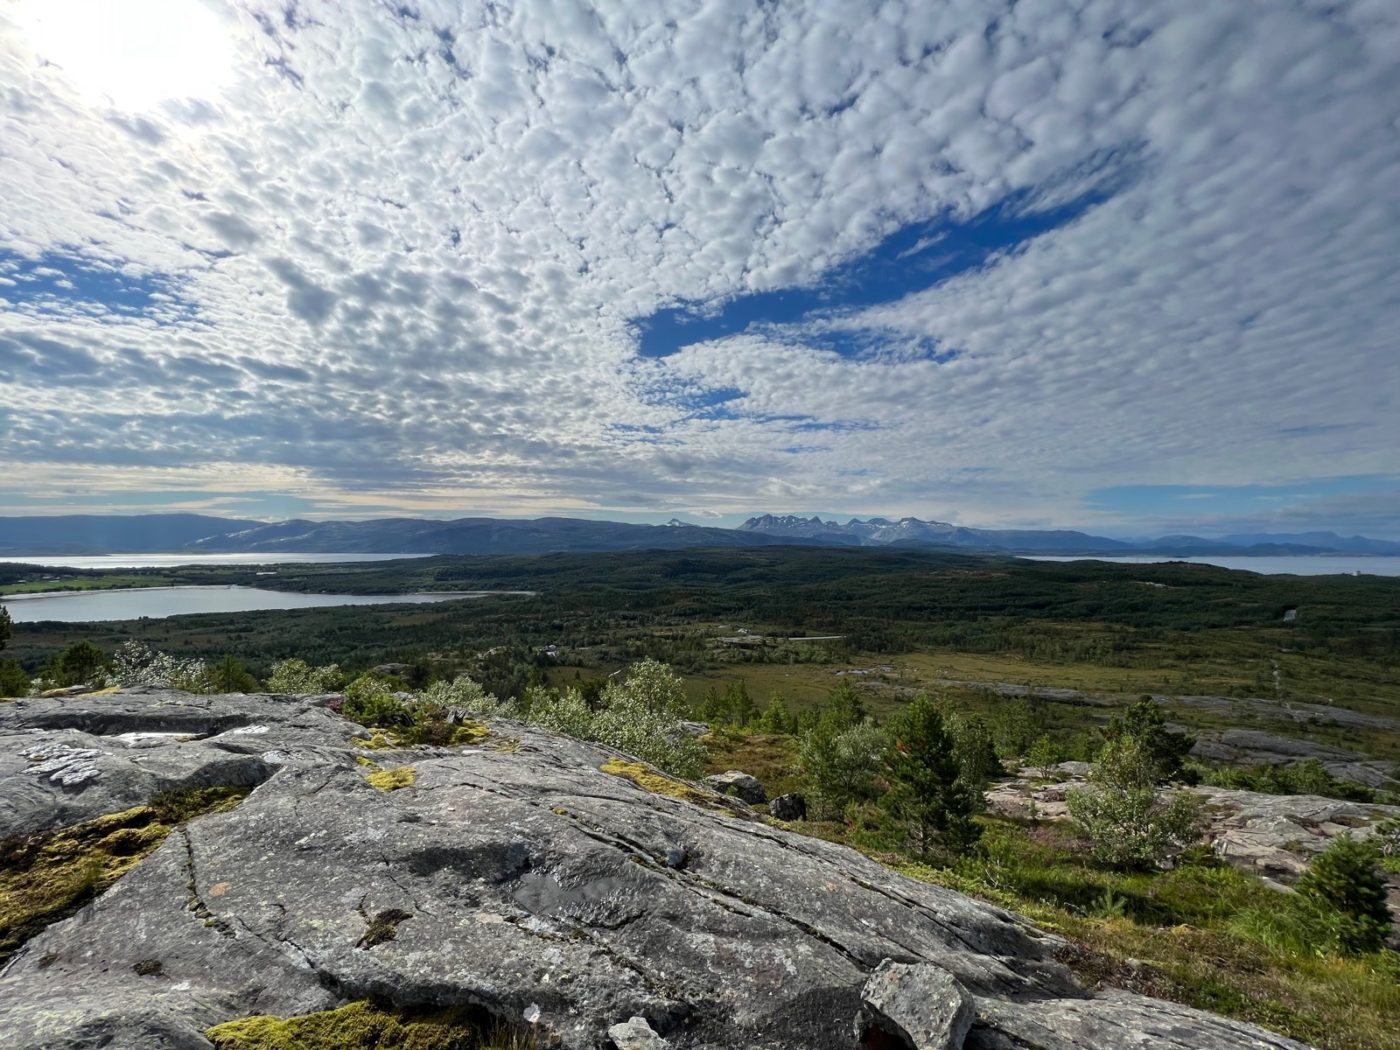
(132, 54)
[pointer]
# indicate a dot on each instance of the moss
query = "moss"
(383, 927)
(149, 968)
(379, 740)
(649, 779)
(470, 731)
(360, 760)
(48, 876)
(363, 1026)
(392, 779)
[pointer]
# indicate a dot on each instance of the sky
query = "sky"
(1127, 266)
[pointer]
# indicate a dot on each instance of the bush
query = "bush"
(79, 664)
(1128, 823)
(976, 754)
(13, 679)
(1300, 778)
(369, 701)
(840, 761)
(462, 694)
(564, 712)
(639, 714)
(136, 663)
(230, 676)
(1345, 879)
(296, 676)
(1144, 723)
(776, 717)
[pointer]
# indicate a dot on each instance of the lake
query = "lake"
(160, 602)
(166, 561)
(1299, 565)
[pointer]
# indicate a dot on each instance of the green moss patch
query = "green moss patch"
(648, 779)
(48, 876)
(364, 1026)
(383, 927)
(379, 740)
(392, 779)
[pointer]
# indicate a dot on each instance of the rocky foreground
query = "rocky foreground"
(553, 884)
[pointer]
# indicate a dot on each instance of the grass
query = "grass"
(84, 583)
(772, 759)
(1223, 663)
(364, 1025)
(1176, 935)
(47, 876)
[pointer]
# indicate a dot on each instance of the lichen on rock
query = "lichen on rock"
(392, 779)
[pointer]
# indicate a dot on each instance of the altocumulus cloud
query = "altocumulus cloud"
(716, 256)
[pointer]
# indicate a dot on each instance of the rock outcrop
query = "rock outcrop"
(743, 786)
(1275, 835)
(525, 875)
(791, 806)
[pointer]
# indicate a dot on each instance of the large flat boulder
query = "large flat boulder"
(528, 875)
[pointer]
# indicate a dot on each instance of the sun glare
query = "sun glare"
(132, 54)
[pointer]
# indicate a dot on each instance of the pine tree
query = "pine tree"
(1144, 722)
(1345, 878)
(776, 718)
(928, 799)
(846, 705)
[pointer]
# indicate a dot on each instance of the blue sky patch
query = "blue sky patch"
(912, 259)
(59, 284)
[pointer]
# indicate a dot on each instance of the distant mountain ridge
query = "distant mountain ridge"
(915, 531)
(201, 534)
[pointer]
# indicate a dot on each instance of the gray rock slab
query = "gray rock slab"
(69, 759)
(533, 884)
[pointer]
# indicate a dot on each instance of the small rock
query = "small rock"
(918, 1003)
(739, 784)
(636, 1034)
(791, 806)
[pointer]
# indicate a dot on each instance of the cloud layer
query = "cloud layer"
(407, 257)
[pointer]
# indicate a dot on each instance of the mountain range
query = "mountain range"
(200, 534)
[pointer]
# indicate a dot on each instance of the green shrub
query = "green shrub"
(928, 801)
(976, 753)
(639, 714)
(369, 702)
(1346, 879)
(841, 762)
(1164, 750)
(1043, 753)
(230, 676)
(80, 664)
(297, 676)
(1300, 778)
(13, 679)
(1128, 823)
(462, 694)
(776, 717)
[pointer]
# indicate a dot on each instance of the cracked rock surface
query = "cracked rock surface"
(515, 875)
